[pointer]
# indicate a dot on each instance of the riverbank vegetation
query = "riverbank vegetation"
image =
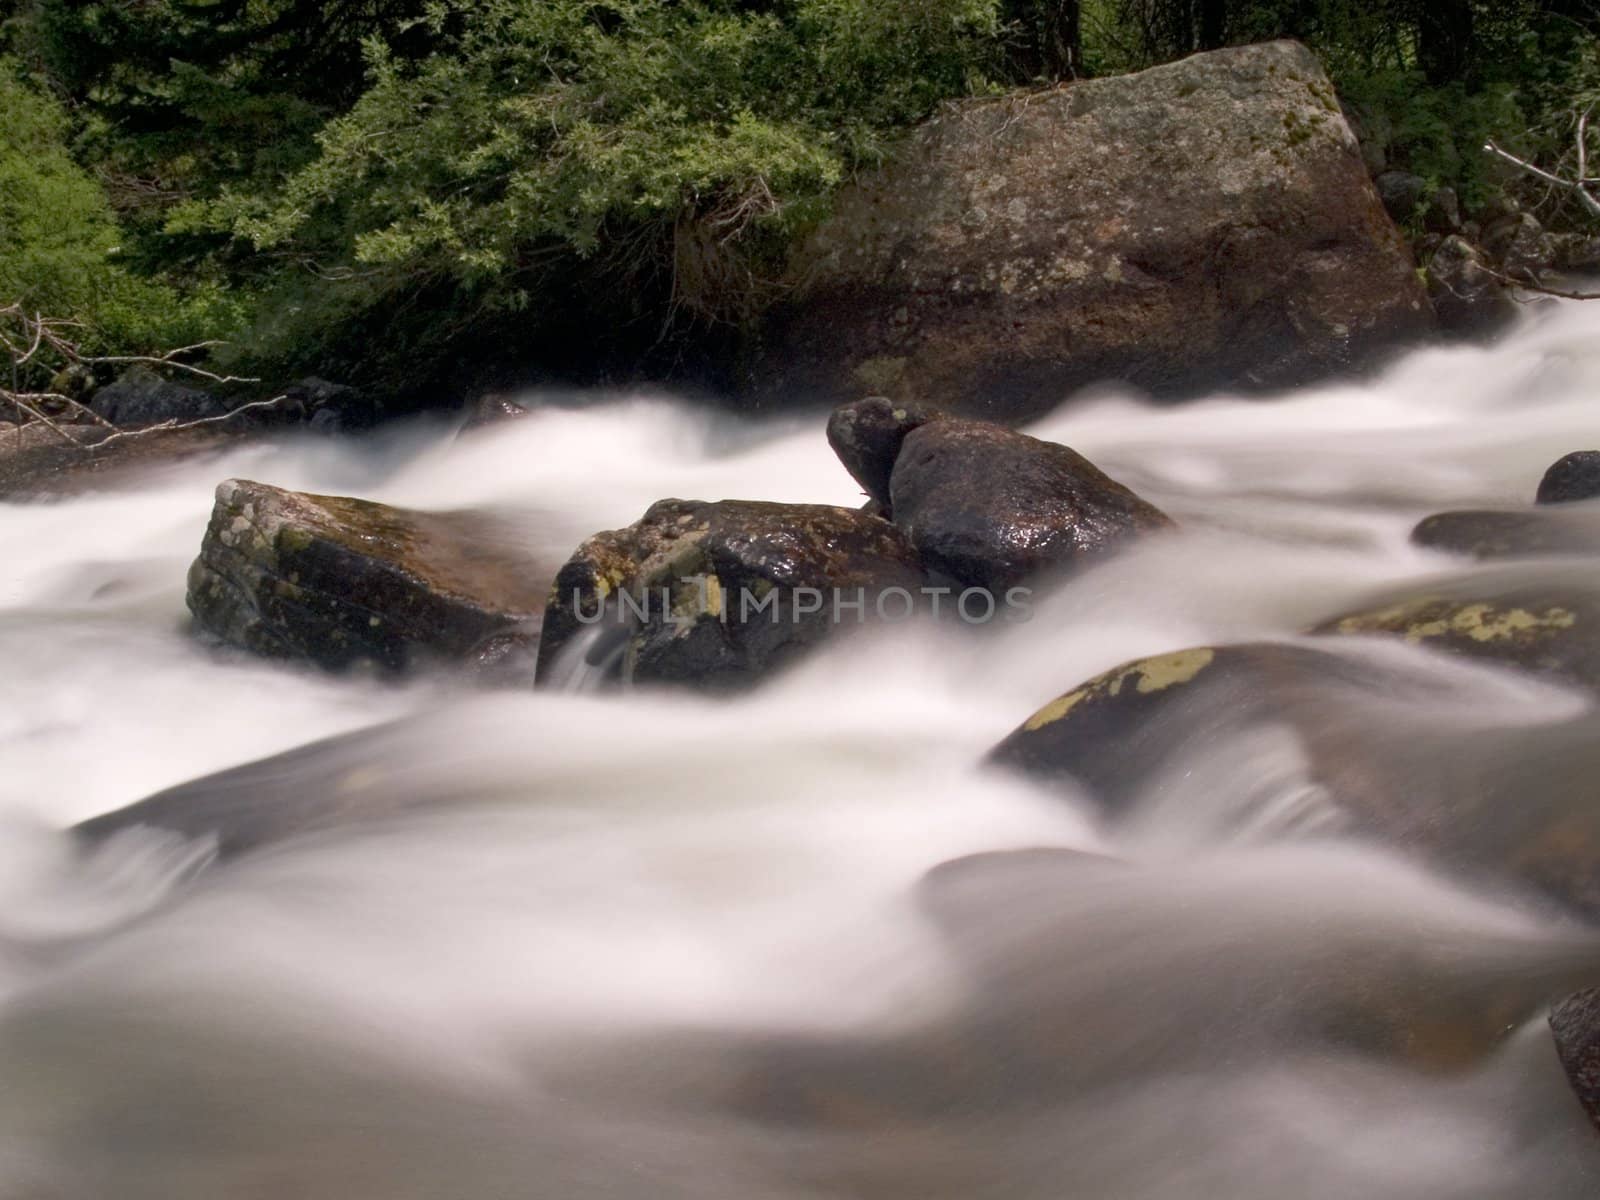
(416, 195)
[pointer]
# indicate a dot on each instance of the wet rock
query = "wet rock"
(140, 398)
(1511, 534)
(339, 582)
(1401, 193)
(867, 435)
(1111, 733)
(1275, 740)
(1203, 223)
(509, 659)
(720, 593)
(1519, 244)
(1267, 740)
(1549, 625)
(1468, 299)
(1575, 1025)
(1571, 478)
(492, 408)
(993, 508)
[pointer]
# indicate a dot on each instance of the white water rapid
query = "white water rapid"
(658, 947)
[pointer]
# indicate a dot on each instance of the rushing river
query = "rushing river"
(651, 946)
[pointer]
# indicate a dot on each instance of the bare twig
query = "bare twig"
(1538, 288)
(1585, 198)
(27, 334)
(168, 426)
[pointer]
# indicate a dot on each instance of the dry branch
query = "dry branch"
(24, 335)
(1575, 186)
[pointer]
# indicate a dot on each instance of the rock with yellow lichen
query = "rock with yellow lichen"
(719, 593)
(341, 582)
(1549, 625)
(1280, 738)
(1114, 732)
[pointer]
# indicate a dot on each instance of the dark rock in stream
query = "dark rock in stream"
(867, 436)
(993, 508)
(339, 582)
(318, 787)
(1279, 740)
(719, 593)
(1529, 533)
(1571, 478)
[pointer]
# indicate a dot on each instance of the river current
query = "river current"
(648, 946)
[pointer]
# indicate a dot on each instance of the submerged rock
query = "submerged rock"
(339, 582)
(1574, 477)
(1511, 534)
(1202, 223)
(719, 593)
(993, 508)
(1271, 739)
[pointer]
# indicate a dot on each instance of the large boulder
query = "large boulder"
(719, 593)
(340, 582)
(1203, 223)
(1512, 533)
(993, 508)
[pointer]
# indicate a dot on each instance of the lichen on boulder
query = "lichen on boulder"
(720, 593)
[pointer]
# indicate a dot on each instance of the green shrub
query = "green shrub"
(635, 146)
(59, 241)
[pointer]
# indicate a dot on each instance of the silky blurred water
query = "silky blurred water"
(613, 920)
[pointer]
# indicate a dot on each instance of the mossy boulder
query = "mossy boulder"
(340, 582)
(1204, 223)
(993, 508)
(720, 593)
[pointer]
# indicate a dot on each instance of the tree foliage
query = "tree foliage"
(60, 243)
